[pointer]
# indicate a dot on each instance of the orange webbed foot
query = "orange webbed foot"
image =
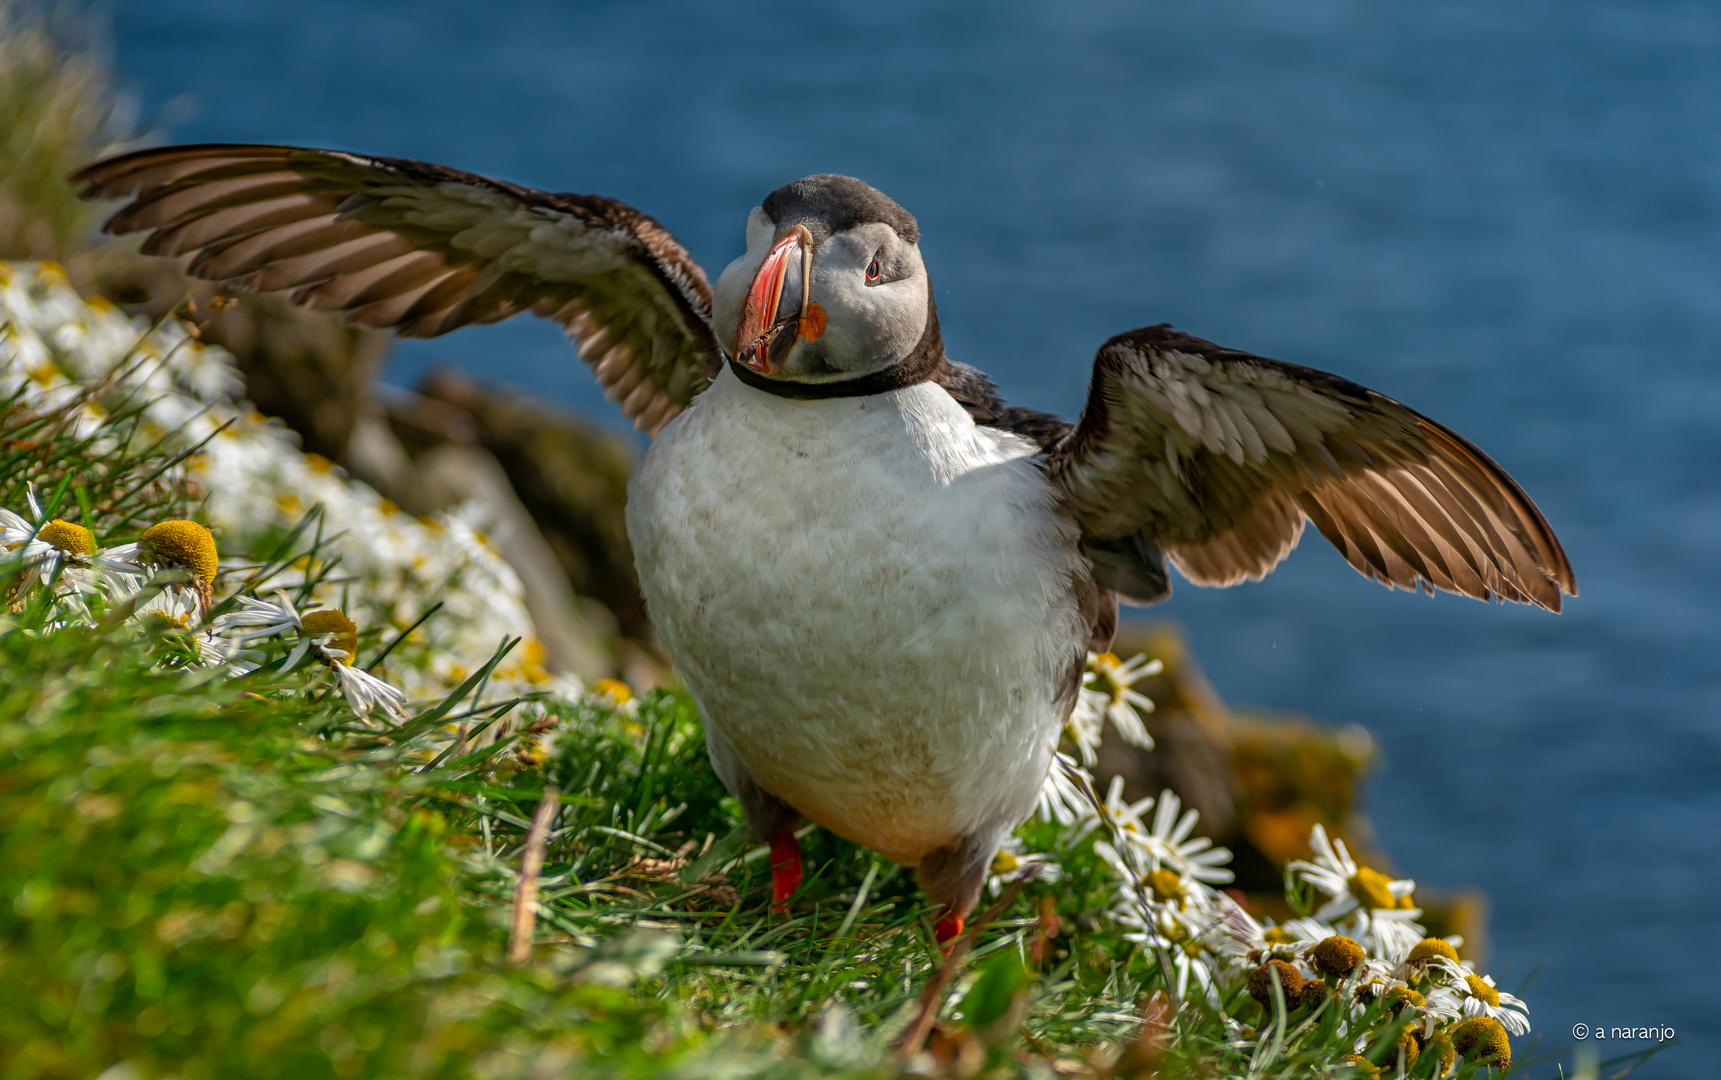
(948, 929)
(785, 869)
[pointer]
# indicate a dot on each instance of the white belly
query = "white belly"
(870, 598)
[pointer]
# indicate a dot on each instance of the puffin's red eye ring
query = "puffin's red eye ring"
(873, 271)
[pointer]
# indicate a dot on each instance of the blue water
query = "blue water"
(1508, 216)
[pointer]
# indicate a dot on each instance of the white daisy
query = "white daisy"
(1106, 694)
(1189, 941)
(174, 606)
(365, 693)
(1382, 914)
(169, 546)
(1194, 859)
(1121, 819)
(1011, 863)
(1251, 942)
(1476, 995)
(1062, 798)
(1114, 680)
(52, 551)
(253, 618)
(327, 634)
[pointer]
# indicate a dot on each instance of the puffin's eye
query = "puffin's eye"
(873, 271)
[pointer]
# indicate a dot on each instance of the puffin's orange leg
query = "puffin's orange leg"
(785, 869)
(948, 928)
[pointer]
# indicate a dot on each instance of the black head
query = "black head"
(831, 203)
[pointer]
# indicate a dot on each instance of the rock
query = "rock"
(1191, 732)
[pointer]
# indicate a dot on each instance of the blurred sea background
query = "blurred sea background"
(1506, 216)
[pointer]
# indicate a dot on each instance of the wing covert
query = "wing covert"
(423, 249)
(1216, 458)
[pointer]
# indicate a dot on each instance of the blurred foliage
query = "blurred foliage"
(58, 110)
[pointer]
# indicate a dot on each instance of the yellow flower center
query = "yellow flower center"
(70, 538)
(1278, 935)
(333, 621)
(614, 689)
(1440, 1045)
(1372, 888)
(1400, 996)
(1104, 668)
(1337, 956)
(1004, 863)
(1481, 991)
(183, 544)
(1483, 1038)
(1407, 1048)
(1260, 983)
(1314, 994)
(1166, 885)
(1428, 948)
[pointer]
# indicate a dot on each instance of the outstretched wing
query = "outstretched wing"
(423, 249)
(1216, 457)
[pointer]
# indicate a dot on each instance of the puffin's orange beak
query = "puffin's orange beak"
(762, 325)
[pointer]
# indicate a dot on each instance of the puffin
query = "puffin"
(878, 582)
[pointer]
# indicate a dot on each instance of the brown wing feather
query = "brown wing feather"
(424, 249)
(1217, 457)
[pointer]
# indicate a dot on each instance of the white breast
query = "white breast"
(870, 598)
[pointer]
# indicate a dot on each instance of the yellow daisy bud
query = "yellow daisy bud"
(1400, 996)
(1362, 1067)
(70, 538)
(1166, 886)
(614, 689)
(1261, 983)
(1428, 948)
(1336, 956)
(1407, 1048)
(1480, 990)
(332, 621)
(1371, 888)
(1440, 1045)
(185, 545)
(1483, 1039)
